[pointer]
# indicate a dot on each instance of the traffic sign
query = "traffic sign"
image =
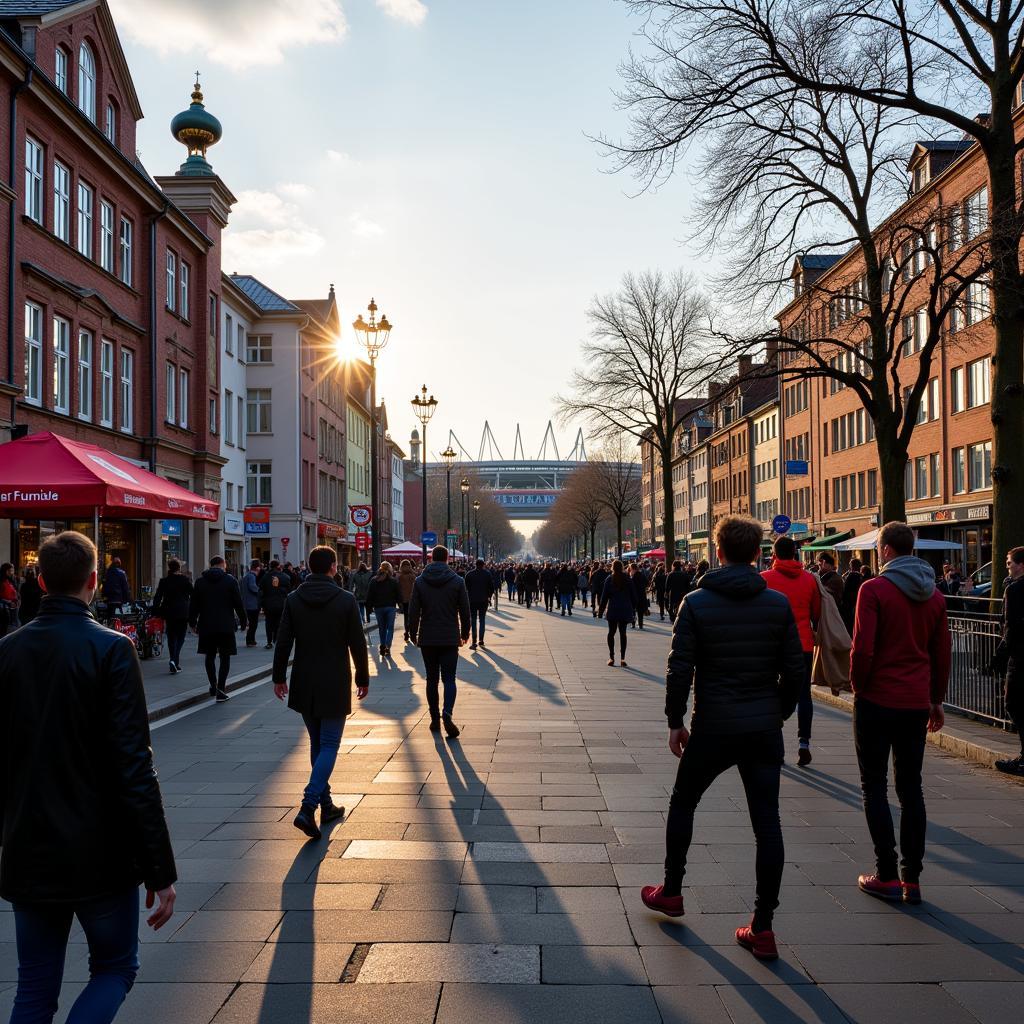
(781, 524)
(361, 515)
(429, 538)
(362, 541)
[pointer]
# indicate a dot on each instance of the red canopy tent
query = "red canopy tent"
(653, 553)
(45, 476)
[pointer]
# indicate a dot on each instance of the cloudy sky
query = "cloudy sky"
(431, 153)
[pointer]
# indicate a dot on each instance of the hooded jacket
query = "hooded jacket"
(789, 577)
(322, 622)
(439, 608)
(565, 581)
(406, 581)
(216, 601)
(275, 586)
(480, 587)
(735, 643)
(361, 583)
(901, 650)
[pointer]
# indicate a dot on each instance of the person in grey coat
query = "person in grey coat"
(251, 600)
(360, 588)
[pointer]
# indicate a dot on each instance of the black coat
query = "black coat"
(529, 580)
(566, 581)
(549, 580)
(480, 587)
(115, 586)
(736, 644)
(851, 588)
(619, 602)
(1013, 622)
(322, 622)
(216, 601)
(677, 586)
(173, 596)
(29, 597)
(439, 608)
(79, 800)
(383, 593)
(273, 595)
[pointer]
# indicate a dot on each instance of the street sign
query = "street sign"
(257, 520)
(429, 538)
(796, 467)
(285, 541)
(362, 541)
(170, 527)
(781, 524)
(451, 538)
(360, 515)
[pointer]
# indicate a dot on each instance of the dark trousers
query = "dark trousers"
(111, 926)
(529, 596)
(759, 757)
(549, 600)
(1015, 698)
(619, 625)
(271, 620)
(253, 617)
(440, 664)
(405, 620)
(805, 704)
(218, 677)
(478, 613)
(175, 630)
(661, 605)
(879, 732)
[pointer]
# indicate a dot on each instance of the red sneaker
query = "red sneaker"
(670, 906)
(761, 944)
(911, 893)
(874, 886)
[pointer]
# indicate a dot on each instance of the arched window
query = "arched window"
(87, 82)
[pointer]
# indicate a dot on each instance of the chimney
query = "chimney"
(714, 388)
(771, 351)
(744, 365)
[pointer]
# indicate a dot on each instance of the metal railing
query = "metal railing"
(975, 690)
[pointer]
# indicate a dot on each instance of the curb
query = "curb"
(946, 740)
(172, 705)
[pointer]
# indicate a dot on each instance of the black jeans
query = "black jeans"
(478, 612)
(619, 625)
(877, 732)
(759, 757)
(1015, 698)
(218, 677)
(253, 618)
(271, 620)
(805, 703)
(440, 664)
(175, 630)
(549, 600)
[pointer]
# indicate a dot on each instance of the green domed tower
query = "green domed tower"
(196, 129)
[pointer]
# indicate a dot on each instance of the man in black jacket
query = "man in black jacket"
(549, 584)
(1011, 652)
(565, 581)
(528, 583)
(677, 584)
(323, 623)
(83, 822)
(216, 602)
(736, 644)
(274, 588)
(439, 626)
(480, 588)
(852, 580)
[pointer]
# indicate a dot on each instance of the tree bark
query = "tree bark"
(892, 480)
(618, 536)
(668, 515)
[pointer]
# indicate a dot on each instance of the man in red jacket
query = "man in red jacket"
(789, 577)
(899, 670)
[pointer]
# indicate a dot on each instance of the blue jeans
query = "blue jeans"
(440, 664)
(565, 602)
(478, 611)
(385, 624)
(324, 740)
(111, 926)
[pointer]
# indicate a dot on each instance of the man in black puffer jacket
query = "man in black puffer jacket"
(439, 626)
(736, 644)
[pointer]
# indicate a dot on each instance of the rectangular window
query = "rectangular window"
(976, 213)
(258, 411)
(229, 333)
(184, 284)
(259, 349)
(183, 399)
(60, 69)
(213, 317)
(959, 471)
(84, 375)
(85, 200)
(106, 383)
(229, 414)
(33, 180)
(62, 202)
(979, 466)
(240, 347)
(920, 477)
(126, 251)
(171, 393)
(240, 420)
(935, 471)
(979, 375)
(127, 395)
(110, 127)
(257, 484)
(872, 487)
(933, 398)
(957, 392)
(213, 416)
(172, 280)
(33, 353)
(61, 365)
(106, 236)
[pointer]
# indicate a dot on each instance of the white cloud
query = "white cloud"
(237, 33)
(295, 189)
(266, 230)
(363, 227)
(337, 157)
(410, 11)
(258, 207)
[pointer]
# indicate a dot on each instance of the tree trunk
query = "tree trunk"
(892, 478)
(668, 514)
(593, 542)
(618, 535)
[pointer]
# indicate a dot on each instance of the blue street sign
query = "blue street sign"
(429, 538)
(796, 467)
(170, 527)
(780, 524)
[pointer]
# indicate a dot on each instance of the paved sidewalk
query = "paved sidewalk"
(496, 878)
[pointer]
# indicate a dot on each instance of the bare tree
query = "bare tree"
(650, 347)
(790, 169)
(615, 479)
(580, 508)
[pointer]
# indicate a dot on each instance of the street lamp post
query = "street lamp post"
(373, 336)
(464, 487)
(476, 517)
(448, 456)
(423, 408)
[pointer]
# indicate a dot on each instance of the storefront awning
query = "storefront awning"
(868, 541)
(828, 542)
(46, 476)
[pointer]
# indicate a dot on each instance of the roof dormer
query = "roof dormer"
(929, 158)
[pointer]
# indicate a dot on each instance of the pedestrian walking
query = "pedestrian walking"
(597, 577)
(638, 579)
(510, 582)
(250, 587)
(323, 624)
(1010, 654)
(216, 602)
(788, 576)
(829, 578)
(275, 585)
(383, 596)
(899, 671)
(115, 584)
(659, 585)
(852, 579)
(565, 583)
(171, 602)
(618, 605)
(735, 645)
(677, 585)
(583, 585)
(8, 598)
(360, 585)
(549, 584)
(479, 587)
(406, 581)
(29, 597)
(529, 581)
(439, 624)
(82, 819)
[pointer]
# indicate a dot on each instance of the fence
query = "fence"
(974, 689)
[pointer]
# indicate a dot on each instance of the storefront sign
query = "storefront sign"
(331, 530)
(362, 541)
(233, 523)
(257, 520)
(951, 514)
(170, 527)
(796, 467)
